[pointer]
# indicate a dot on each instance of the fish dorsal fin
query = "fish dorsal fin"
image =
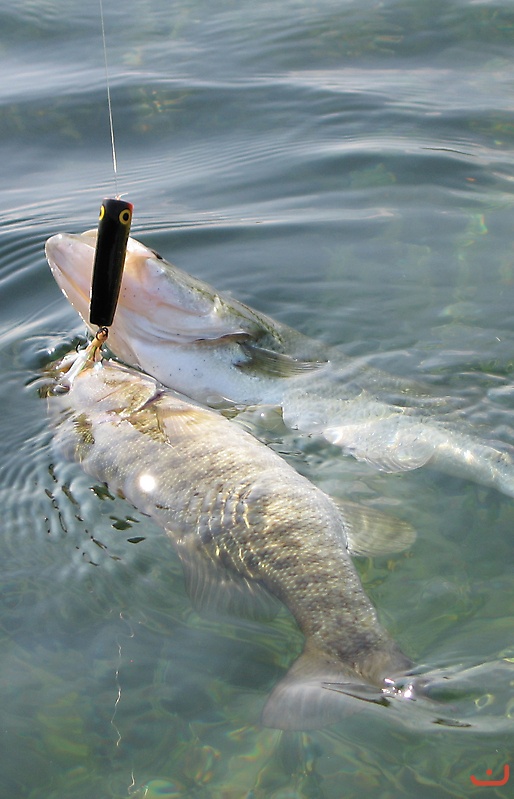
(215, 590)
(373, 533)
(275, 364)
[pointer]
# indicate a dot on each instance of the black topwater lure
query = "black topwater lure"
(111, 247)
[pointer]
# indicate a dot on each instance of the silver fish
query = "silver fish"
(213, 348)
(246, 526)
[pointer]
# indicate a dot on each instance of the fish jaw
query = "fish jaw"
(63, 250)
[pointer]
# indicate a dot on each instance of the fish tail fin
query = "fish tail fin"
(316, 693)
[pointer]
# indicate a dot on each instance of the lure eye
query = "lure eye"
(124, 217)
(102, 213)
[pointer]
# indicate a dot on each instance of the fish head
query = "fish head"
(177, 328)
(157, 301)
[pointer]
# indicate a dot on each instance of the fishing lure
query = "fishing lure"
(111, 246)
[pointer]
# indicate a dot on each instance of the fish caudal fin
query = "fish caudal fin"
(316, 693)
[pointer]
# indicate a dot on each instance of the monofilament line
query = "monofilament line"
(111, 126)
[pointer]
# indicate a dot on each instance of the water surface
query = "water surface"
(348, 168)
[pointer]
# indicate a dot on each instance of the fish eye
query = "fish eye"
(159, 257)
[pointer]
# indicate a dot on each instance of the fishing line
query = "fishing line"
(111, 248)
(117, 677)
(119, 737)
(113, 233)
(109, 103)
(110, 252)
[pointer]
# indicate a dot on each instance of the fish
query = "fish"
(249, 530)
(218, 350)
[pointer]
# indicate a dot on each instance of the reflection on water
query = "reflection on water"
(346, 167)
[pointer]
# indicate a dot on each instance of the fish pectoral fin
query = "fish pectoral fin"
(372, 533)
(214, 590)
(275, 364)
(305, 699)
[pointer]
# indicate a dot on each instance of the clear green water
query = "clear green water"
(348, 168)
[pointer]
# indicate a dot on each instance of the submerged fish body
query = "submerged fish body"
(245, 526)
(213, 348)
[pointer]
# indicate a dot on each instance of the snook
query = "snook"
(213, 348)
(245, 525)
